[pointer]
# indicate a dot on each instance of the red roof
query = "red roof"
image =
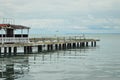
(13, 26)
(2, 25)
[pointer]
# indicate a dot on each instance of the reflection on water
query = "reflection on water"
(14, 68)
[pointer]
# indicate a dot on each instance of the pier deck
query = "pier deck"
(49, 43)
(46, 42)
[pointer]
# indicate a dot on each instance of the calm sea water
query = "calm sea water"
(92, 63)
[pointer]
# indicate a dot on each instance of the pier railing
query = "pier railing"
(14, 40)
(58, 39)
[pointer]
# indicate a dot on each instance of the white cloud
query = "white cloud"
(41, 23)
(26, 6)
(79, 27)
(74, 14)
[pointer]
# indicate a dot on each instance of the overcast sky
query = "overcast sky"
(65, 16)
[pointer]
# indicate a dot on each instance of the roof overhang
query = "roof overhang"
(12, 26)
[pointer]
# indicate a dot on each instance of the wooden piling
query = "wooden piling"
(60, 46)
(48, 47)
(74, 45)
(39, 48)
(78, 45)
(56, 46)
(5, 51)
(94, 43)
(29, 49)
(64, 46)
(82, 44)
(15, 50)
(68, 45)
(51, 46)
(9, 50)
(86, 44)
(25, 50)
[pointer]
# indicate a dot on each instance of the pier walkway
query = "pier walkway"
(47, 43)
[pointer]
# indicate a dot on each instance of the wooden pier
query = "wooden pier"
(11, 41)
(46, 44)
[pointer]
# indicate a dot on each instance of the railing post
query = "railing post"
(2, 35)
(13, 39)
(28, 35)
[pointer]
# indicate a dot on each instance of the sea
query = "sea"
(89, 63)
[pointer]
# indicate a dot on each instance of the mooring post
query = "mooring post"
(5, 51)
(9, 50)
(15, 50)
(39, 48)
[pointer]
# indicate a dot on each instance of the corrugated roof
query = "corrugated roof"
(13, 26)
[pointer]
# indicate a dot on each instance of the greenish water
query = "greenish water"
(92, 63)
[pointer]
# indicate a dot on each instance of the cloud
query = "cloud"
(84, 15)
(37, 6)
(41, 23)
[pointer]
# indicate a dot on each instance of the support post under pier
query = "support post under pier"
(39, 48)
(94, 43)
(48, 47)
(78, 45)
(51, 46)
(29, 49)
(64, 46)
(74, 45)
(87, 44)
(15, 50)
(25, 50)
(56, 46)
(9, 50)
(60, 46)
(5, 51)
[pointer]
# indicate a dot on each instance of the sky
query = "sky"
(64, 16)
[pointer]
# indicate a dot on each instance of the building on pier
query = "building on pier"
(8, 35)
